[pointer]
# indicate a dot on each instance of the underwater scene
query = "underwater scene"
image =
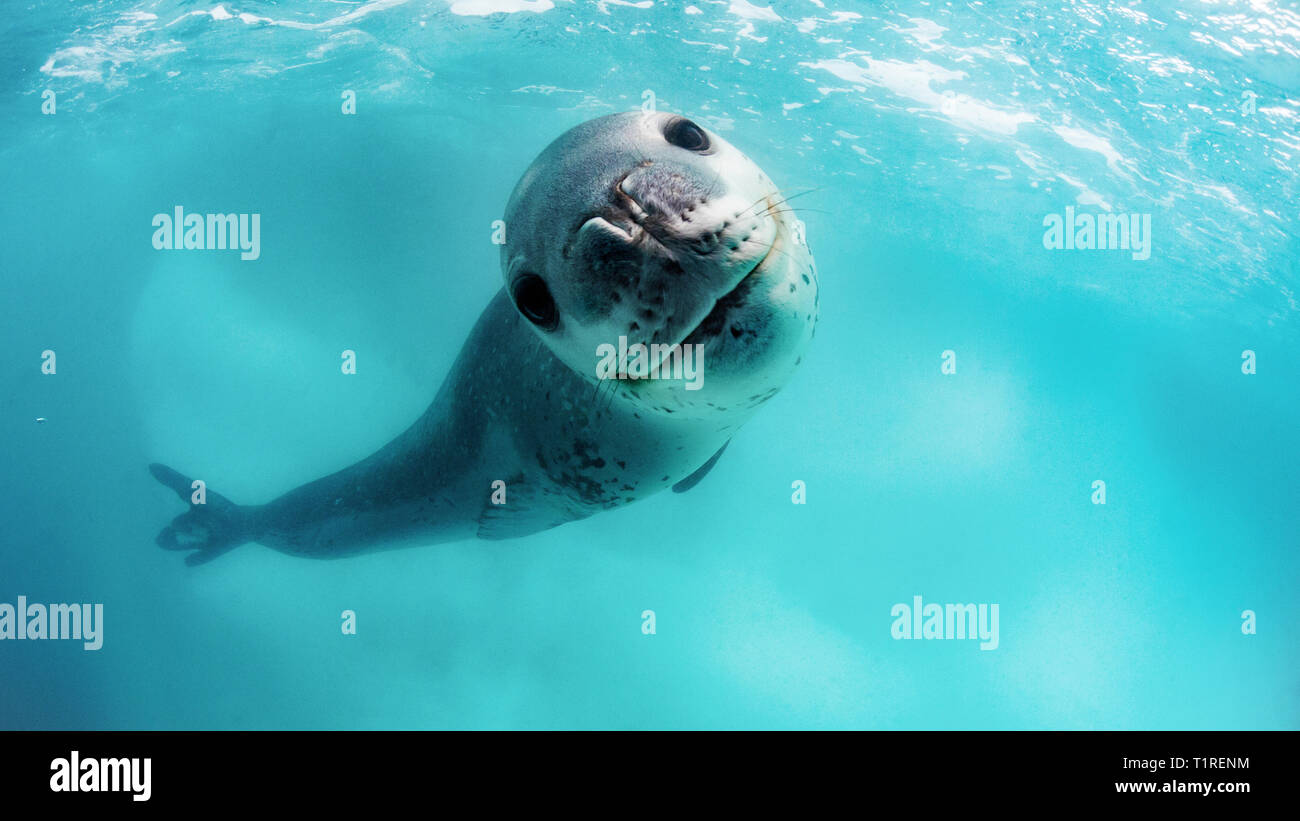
(630, 364)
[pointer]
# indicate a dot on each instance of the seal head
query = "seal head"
(649, 227)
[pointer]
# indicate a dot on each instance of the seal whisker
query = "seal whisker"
(750, 207)
(613, 394)
(780, 200)
(796, 211)
(784, 200)
(782, 252)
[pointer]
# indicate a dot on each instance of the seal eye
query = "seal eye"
(685, 134)
(534, 301)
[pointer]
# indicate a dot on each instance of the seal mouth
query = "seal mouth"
(647, 219)
(632, 223)
(712, 323)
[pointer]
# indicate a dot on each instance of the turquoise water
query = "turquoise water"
(932, 139)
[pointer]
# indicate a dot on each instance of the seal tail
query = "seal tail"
(209, 529)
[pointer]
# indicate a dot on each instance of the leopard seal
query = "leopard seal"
(637, 228)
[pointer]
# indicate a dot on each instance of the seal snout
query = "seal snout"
(675, 215)
(655, 194)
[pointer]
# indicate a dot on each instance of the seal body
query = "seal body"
(640, 232)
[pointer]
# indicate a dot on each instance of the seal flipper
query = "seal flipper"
(210, 529)
(694, 479)
(522, 513)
